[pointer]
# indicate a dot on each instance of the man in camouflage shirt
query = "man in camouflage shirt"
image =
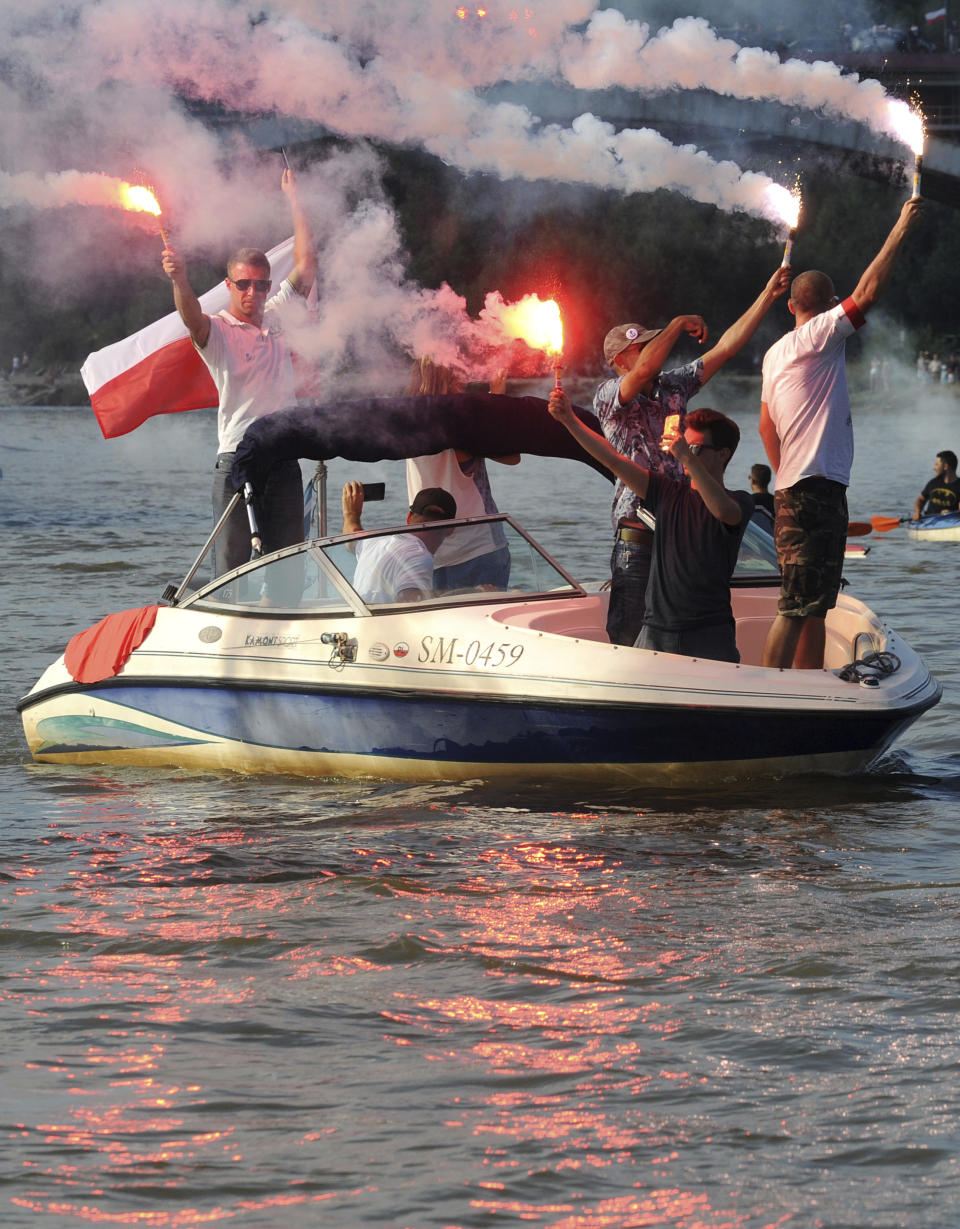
(631, 408)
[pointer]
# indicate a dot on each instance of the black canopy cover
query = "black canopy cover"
(391, 428)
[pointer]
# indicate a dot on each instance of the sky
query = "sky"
(93, 93)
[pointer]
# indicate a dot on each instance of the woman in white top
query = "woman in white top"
(470, 558)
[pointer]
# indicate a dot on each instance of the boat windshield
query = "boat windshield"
(448, 564)
(757, 560)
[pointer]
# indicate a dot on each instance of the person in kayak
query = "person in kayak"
(942, 492)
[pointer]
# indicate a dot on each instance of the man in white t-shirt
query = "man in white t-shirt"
(807, 431)
(398, 568)
(244, 349)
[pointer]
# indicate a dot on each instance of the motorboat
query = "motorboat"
(944, 527)
(287, 665)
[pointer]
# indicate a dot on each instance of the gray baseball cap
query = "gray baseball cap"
(624, 335)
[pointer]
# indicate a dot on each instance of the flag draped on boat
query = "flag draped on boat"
(391, 428)
(157, 370)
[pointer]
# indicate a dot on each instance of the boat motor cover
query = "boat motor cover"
(392, 428)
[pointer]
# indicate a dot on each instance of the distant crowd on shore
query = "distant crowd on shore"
(932, 369)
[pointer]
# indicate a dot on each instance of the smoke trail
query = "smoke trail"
(691, 55)
(364, 72)
(58, 189)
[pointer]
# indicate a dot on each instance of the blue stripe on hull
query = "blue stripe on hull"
(472, 729)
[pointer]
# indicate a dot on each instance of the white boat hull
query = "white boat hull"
(520, 691)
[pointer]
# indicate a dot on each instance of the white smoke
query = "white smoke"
(691, 55)
(98, 89)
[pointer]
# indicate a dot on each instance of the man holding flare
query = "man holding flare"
(807, 431)
(244, 349)
(700, 526)
(632, 407)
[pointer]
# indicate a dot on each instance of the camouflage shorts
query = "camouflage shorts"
(810, 532)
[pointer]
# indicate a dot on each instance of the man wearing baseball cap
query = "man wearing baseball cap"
(397, 568)
(631, 407)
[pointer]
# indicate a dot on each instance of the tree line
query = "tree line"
(603, 256)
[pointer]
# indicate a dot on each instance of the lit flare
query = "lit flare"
(538, 324)
(786, 205)
(907, 124)
(139, 199)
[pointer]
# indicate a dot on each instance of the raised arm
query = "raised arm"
(740, 332)
(351, 503)
(633, 475)
(877, 273)
(304, 251)
(655, 353)
(186, 302)
(769, 436)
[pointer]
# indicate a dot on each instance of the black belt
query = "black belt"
(634, 533)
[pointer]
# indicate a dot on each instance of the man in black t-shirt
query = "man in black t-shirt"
(699, 529)
(942, 492)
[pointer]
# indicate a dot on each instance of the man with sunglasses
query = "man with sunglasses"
(699, 530)
(245, 351)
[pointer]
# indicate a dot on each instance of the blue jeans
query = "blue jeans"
(717, 642)
(629, 573)
(279, 511)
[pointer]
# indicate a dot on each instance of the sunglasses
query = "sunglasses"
(260, 284)
(697, 448)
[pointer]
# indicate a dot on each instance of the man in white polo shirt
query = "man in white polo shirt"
(245, 351)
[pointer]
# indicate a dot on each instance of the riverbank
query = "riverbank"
(58, 384)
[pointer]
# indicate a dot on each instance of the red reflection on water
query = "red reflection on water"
(141, 922)
(665, 1206)
(181, 1218)
(573, 947)
(311, 962)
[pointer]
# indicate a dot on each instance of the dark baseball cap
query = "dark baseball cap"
(624, 335)
(434, 502)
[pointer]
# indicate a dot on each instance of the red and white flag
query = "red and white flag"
(158, 370)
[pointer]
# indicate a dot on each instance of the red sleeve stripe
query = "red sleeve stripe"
(853, 313)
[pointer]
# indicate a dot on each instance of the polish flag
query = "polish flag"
(158, 370)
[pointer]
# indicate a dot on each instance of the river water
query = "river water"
(285, 1003)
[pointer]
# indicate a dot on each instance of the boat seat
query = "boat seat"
(752, 636)
(584, 620)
